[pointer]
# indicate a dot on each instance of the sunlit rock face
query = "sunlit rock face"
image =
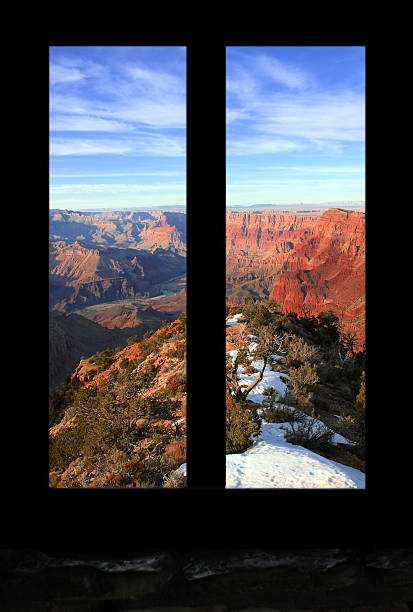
(307, 263)
(213, 580)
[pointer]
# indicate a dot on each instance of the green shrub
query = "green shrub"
(132, 340)
(242, 423)
(361, 398)
(180, 351)
(250, 308)
(242, 357)
(67, 445)
(103, 359)
(262, 317)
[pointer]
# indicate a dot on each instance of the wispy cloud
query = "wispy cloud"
(249, 145)
(141, 144)
(295, 115)
(63, 74)
(316, 117)
(314, 169)
(284, 73)
(111, 188)
(119, 174)
(61, 146)
(117, 95)
(86, 123)
(310, 115)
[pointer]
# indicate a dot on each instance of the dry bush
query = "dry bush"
(310, 435)
(299, 351)
(301, 381)
(175, 453)
(281, 414)
(174, 481)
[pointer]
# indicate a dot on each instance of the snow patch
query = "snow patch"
(271, 461)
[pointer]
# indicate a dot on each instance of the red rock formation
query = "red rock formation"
(306, 263)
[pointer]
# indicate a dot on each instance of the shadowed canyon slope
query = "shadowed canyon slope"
(72, 336)
(106, 256)
(128, 317)
(81, 274)
(307, 263)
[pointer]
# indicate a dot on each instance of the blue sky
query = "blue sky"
(295, 124)
(117, 126)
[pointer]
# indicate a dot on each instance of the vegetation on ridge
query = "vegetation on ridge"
(122, 424)
(325, 377)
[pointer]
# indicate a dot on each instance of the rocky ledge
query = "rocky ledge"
(208, 580)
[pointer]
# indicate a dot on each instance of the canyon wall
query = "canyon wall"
(127, 229)
(307, 263)
(82, 275)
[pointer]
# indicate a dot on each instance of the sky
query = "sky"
(295, 125)
(117, 127)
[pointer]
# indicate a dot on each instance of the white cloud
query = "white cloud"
(86, 147)
(112, 174)
(111, 188)
(114, 97)
(250, 145)
(314, 169)
(154, 81)
(86, 123)
(147, 144)
(319, 117)
(62, 74)
(161, 113)
(327, 119)
(282, 72)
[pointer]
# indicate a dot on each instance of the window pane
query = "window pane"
(295, 266)
(117, 266)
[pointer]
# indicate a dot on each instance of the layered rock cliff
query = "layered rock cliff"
(81, 274)
(307, 263)
(126, 229)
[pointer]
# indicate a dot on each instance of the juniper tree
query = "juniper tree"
(268, 342)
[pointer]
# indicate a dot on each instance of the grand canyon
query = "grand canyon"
(124, 270)
(307, 262)
(117, 337)
(295, 343)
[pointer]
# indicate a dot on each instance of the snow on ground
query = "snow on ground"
(271, 461)
(269, 379)
(234, 320)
